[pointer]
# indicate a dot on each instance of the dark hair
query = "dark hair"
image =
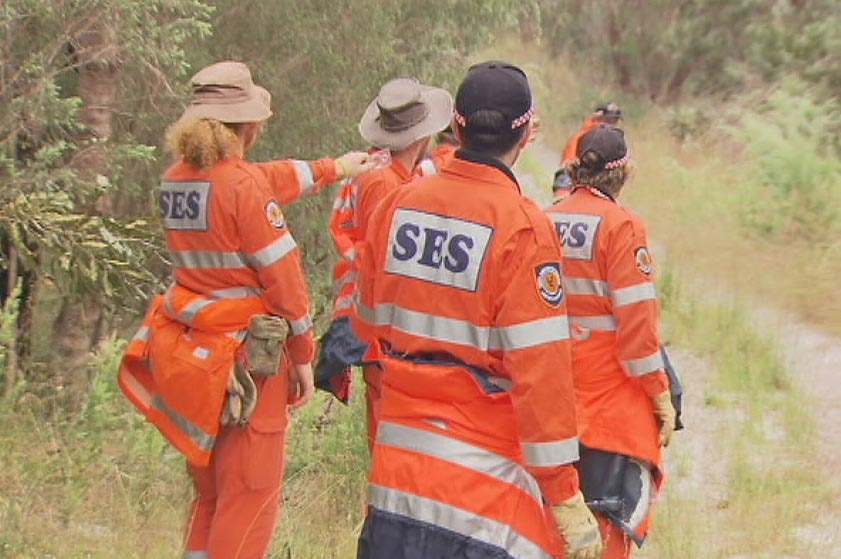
(490, 132)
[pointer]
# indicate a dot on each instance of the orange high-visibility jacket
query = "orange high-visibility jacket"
(460, 294)
(352, 209)
(233, 256)
(571, 149)
(614, 321)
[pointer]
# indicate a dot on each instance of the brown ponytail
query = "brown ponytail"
(202, 142)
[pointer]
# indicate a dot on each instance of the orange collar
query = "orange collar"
(479, 167)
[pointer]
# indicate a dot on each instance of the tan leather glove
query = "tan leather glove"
(354, 163)
(665, 412)
(242, 397)
(579, 528)
(264, 344)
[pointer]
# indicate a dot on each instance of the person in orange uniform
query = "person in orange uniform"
(610, 114)
(623, 392)
(399, 123)
(233, 258)
(460, 296)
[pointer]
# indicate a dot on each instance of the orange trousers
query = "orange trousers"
(237, 496)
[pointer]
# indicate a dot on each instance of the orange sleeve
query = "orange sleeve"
(292, 178)
(370, 194)
(272, 252)
(536, 346)
(630, 275)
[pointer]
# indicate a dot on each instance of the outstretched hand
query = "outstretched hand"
(354, 163)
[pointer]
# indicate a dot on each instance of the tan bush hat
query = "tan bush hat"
(225, 92)
(405, 111)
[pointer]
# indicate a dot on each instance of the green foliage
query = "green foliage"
(49, 191)
(789, 141)
(664, 50)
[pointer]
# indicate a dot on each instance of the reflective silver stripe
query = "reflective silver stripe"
(236, 293)
(604, 322)
(274, 252)
(455, 519)
(429, 326)
(189, 312)
(349, 254)
(457, 331)
(207, 259)
(301, 325)
(203, 440)
(196, 555)
(458, 452)
(238, 335)
(305, 176)
(634, 294)
(343, 303)
(142, 334)
(585, 286)
(529, 334)
(645, 365)
(555, 453)
(349, 277)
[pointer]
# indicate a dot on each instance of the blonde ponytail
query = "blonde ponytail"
(201, 142)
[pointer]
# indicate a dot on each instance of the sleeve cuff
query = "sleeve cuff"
(325, 171)
(654, 383)
(301, 348)
(558, 484)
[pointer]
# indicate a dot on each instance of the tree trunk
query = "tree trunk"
(78, 327)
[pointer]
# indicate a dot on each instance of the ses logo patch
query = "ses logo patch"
(437, 248)
(549, 284)
(183, 205)
(577, 233)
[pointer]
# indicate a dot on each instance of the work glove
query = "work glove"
(665, 413)
(242, 397)
(263, 345)
(579, 528)
(354, 163)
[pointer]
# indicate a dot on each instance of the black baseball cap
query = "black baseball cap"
(608, 143)
(495, 86)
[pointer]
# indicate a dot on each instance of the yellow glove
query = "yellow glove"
(579, 528)
(354, 163)
(665, 412)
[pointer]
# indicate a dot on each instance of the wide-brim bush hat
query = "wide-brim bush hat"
(404, 112)
(225, 91)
